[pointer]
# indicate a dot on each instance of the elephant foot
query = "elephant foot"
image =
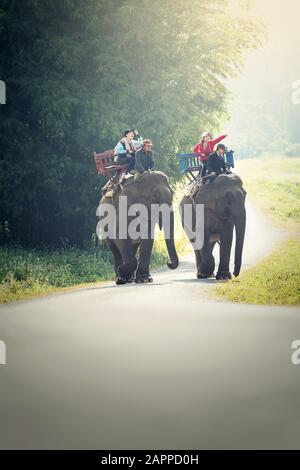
(202, 276)
(126, 273)
(121, 280)
(223, 276)
(172, 265)
(143, 280)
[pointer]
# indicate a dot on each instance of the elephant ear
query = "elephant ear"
(229, 197)
(224, 204)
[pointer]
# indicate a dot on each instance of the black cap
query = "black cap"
(221, 146)
(127, 132)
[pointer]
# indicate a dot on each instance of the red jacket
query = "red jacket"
(204, 153)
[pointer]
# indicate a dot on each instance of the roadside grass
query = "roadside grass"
(273, 281)
(27, 273)
(274, 183)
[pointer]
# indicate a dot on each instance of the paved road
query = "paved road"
(155, 366)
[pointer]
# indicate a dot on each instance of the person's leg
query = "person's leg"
(204, 168)
(122, 159)
(131, 163)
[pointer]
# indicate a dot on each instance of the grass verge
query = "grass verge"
(274, 183)
(273, 281)
(29, 273)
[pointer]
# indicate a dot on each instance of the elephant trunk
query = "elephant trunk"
(240, 226)
(173, 262)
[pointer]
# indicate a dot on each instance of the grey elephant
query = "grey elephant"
(224, 209)
(150, 188)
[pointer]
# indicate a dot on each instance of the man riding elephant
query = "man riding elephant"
(129, 233)
(224, 210)
(144, 158)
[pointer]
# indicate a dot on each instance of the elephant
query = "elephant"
(224, 209)
(149, 188)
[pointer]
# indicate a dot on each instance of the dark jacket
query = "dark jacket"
(144, 161)
(216, 164)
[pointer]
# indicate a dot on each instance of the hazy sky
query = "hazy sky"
(265, 86)
(277, 63)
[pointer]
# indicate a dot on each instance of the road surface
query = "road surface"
(158, 366)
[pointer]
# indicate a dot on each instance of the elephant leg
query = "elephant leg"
(205, 260)
(135, 250)
(225, 249)
(198, 264)
(129, 264)
(116, 254)
(142, 273)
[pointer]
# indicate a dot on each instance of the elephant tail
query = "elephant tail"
(240, 226)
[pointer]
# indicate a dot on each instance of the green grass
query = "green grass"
(273, 281)
(25, 273)
(274, 183)
(28, 273)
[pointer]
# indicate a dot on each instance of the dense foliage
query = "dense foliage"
(77, 73)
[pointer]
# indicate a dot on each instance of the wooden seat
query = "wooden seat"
(106, 165)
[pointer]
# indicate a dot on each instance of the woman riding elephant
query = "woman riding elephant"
(205, 147)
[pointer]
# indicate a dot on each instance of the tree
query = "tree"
(79, 72)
